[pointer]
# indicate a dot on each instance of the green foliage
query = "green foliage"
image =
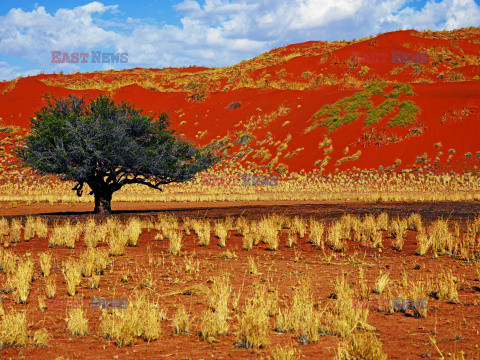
(198, 92)
(335, 121)
(407, 114)
(354, 102)
(385, 108)
(376, 87)
(108, 145)
(400, 89)
(367, 105)
(244, 138)
(350, 108)
(325, 110)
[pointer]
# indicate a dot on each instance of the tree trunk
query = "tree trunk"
(102, 202)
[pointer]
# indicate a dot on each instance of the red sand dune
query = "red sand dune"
(284, 88)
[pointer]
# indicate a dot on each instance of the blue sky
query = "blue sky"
(163, 33)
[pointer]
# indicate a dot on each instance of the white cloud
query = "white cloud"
(34, 34)
(444, 15)
(8, 72)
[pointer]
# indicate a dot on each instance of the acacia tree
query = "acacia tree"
(108, 145)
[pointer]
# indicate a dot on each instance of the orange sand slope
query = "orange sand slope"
(315, 106)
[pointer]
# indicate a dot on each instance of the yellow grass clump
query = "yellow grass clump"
(20, 281)
(13, 330)
(8, 261)
(316, 233)
(117, 240)
(176, 241)
(381, 283)
(72, 271)
(334, 237)
(77, 323)
(141, 319)
(45, 263)
(202, 229)
(64, 235)
(133, 230)
(254, 323)
(343, 319)
(221, 233)
(50, 287)
(287, 352)
(361, 346)
(302, 318)
(94, 262)
(181, 321)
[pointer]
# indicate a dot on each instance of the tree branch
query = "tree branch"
(155, 185)
(79, 188)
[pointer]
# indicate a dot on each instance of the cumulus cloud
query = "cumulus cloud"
(444, 15)
(8, 72)
(216, 32)
(34, 34)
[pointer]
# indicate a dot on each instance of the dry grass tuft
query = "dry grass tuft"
(176, 241)
(16, 227)
(77, 323)
(41, 337)
(45, 263)
(29, 230)
(117, 240)
(299, 227)
(381, 283)
(254, 324)
(221, 233)
(301, 317)
(94, 262)
(316, 233)
(414, 222)
(446, 287)
(72, 270)
(334, 237)
(41, 302)
(202, 229)
(361, 346)
(343, 319)
(132, 231)
(215, 320)
(253, 266)
(419, 294)
(8, 261)
(13, 330)
(248, 240)
(141, 319)
(181, 321)
(287, 352)
(50, 287)
(20, 281)
(64, 235)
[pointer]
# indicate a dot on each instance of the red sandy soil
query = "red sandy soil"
(454, 326)
(450, 110)
(457, 211)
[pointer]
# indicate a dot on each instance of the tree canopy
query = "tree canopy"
(108, 145)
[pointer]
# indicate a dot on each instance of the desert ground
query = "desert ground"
(254, 280)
